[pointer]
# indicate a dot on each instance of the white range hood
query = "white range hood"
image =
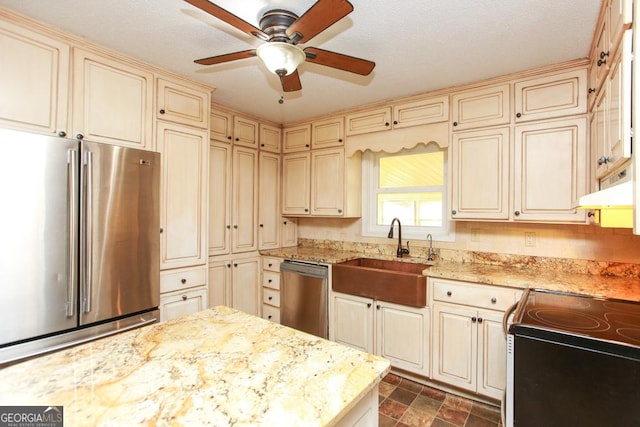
(614, 203)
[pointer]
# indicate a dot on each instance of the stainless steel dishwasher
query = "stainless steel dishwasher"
(303, 297)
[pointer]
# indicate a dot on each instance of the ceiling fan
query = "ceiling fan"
(282, 31)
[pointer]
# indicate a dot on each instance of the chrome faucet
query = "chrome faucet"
(432, 253)
(401, 251)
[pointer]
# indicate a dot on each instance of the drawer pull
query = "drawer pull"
(270, 298)
(183, 281)
(270, 280)
(269, 317)
(184, 297)
(270, 265)
(448, 293)
(494, 300)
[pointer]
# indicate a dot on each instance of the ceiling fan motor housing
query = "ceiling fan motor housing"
(274, 23)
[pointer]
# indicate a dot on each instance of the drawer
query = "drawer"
(483, 296)
(269, 296)
(271, 313)
(182, 279)
(271, 280)
(271, 263)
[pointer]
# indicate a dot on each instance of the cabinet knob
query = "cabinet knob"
(340, 140)
(448, 293)
(479, 319)
(474, 319)
(183, 281)
(453, 212)
(161, 230)
(235, 227)
(270, 298)
(601, 62)
(261, 145)
(261, 225)
(235, 264)
(269, 317)
(229, 138)
(455, 123)
(386, 123)
(306, 145)
(62, 134)
(518, 115)
(368, 305)
(395, 122)
(184, 297)
(339, 210)
(517, 213)
(494, 300)
(270, 280)
(603, 160)
(284, 222)
(306, 209)
(162, 111)
(377, 306)
(79, 137)
(229, 265)
(270, 265)
(591, 214)
(604, 54)
(592, 89)
(228, 227)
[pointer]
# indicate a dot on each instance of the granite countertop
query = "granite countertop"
(556, 276)
(218, 367)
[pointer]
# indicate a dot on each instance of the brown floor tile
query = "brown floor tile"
(410, 385)
(453, 415)
(416, 418)
(426, 404)
(385, 388)
(488, 412)
(438, 422)
(476, 421)
(403, 396)
(392, 379)
(392, 408)
(433, 393)
(384, 421)
(458, 402)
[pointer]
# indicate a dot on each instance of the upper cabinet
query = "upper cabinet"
(179, 103)
(112, 101)
(327, 133)
(482, 107)
(369, 121)
(221, 125)
(270, 138)
(245, 132)
(34, 80)
(297, 138)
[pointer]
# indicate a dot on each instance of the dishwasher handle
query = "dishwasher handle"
(305, 269)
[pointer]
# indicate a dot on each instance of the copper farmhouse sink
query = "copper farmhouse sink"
(392, 281)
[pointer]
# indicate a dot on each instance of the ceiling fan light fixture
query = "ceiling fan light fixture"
(281, 58)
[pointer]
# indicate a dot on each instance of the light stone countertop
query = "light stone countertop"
(217, 367)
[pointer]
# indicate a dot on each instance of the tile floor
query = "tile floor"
(407, 403)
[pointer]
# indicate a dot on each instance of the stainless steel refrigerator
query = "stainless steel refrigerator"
(79, 241)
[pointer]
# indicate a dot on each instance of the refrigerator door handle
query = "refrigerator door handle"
(88, 234)
(72, 165)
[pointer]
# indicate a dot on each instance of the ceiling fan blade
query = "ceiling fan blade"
(339, 61)
(291, 83)
(228, 17)
(319, 17)
(226, 57)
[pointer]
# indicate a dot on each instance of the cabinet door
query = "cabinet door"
(619, 117)
(421, 112)
(183, 195)
(327, 182)
(269, 202)
(179, 304)
(353, 321)
(34, 80)
(244, 233)
(492, 354)
(296, 172)
(221, 124)
(179, 103)
(551, 96)
(328, 133)
(601, 52)
(620, 18)
(481, 107)
(112, 101)
(600, 134)
(296, 138)
(270, 137)
(245, 132)
(368, 121)
(219, 198)
(455, 346)
(289, 232)
(219, 281)
(480, 175)
(245, 285)
(551, 170)
(402, 336)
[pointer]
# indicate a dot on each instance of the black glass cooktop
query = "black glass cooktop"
(609, 320)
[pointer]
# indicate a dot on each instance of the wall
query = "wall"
(579, 242)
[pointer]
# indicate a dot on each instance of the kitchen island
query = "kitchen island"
(215, 367)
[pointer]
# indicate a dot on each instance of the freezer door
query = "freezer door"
(120, 228)
(37, 226)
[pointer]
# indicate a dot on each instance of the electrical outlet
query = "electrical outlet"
(530, 239)
(475, 235)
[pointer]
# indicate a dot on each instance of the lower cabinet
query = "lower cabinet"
(182, 291)
(396, 332)
(469, 346)
(234, 281)
(271, 288)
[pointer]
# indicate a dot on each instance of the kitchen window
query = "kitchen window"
(410, 185)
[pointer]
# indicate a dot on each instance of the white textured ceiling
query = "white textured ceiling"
(418, 45)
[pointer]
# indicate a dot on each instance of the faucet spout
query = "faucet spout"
(432, 253)
(400, 251)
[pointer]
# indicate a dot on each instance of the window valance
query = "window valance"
(398, 139)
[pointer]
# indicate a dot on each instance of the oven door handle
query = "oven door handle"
(505, 318)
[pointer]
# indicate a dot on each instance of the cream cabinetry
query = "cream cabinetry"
(270, 138)
(296, 138)
(289, 232)
(245, 131)
(488, 106)
(227, 127)
(411, 113)
(395, 332)
(327, 133)
(321, 183)
(480, 174)
(244, 211)
(183, 187)
(269, 201)
(469, 347)
(271, 288)
(34, 80)
(219, 198)
(112, 100)
(182, 291)
(235, 281)
(181, 103)
(221, 124)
